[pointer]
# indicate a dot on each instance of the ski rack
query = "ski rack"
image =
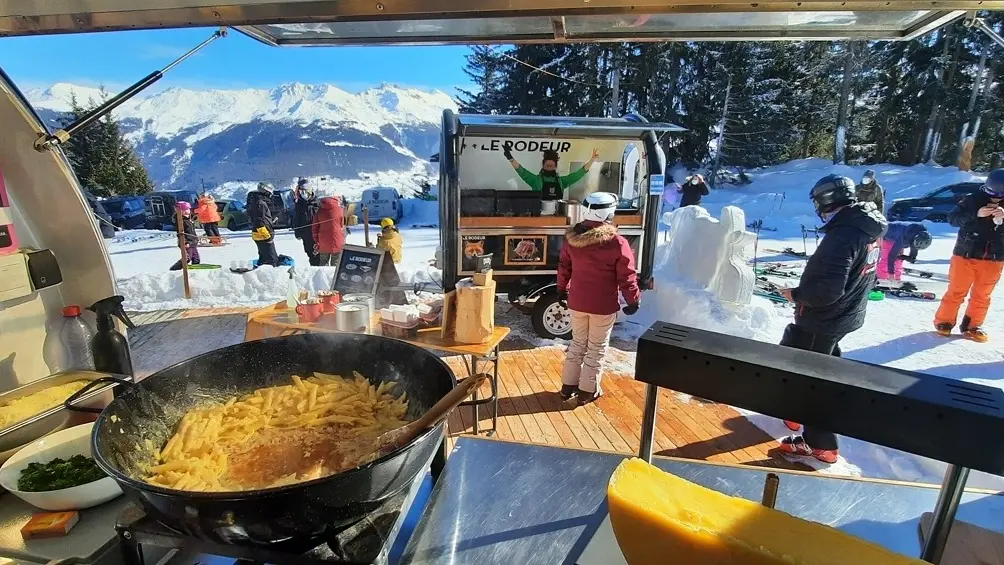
(870, 402)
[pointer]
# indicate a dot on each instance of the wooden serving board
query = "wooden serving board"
(968, 544)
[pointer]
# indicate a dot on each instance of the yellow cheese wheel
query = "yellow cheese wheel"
(661, 519)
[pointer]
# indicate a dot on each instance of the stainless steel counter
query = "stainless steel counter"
(502, 502)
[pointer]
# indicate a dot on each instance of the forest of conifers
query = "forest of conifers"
(854, 101)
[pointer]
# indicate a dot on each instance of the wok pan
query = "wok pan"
(291, 516)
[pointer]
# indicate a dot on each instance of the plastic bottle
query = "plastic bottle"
(109, 347)
(291, 291)
(75, 337)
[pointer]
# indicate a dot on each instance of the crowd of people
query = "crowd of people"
(320, 224)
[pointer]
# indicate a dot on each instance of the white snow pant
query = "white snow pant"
(584, 359)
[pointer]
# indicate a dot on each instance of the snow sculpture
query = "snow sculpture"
(711, 253)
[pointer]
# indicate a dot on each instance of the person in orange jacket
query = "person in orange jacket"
(977, 260)
(208, 216)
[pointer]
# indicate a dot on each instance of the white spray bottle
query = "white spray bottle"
(291, 291)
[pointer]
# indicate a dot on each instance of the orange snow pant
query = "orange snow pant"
(978, 275)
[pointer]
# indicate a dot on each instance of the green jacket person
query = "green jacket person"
(547, 180)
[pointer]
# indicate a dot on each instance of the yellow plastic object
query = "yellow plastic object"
(659, 518)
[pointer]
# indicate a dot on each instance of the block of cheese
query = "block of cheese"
(49, 525)
(660, 518)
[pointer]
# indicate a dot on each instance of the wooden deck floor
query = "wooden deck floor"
(529, 407)
(530, 411)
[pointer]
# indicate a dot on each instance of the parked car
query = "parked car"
(233, 215)
(160, 207)
(382, 202)
(933, 206)
(127, 212)
(283, 207)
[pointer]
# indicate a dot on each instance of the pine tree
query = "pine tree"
(104, 162)
(484, 68)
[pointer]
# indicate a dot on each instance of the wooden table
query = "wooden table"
(278, 320)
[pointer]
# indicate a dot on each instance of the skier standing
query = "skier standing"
(871, 191)
(303, 218)
(263, 224)
(693, 189)
(832, 295)
(188, 233)
(329, 232)
(595, 262)
(391, 240)
(898, 237)
(209, 217)
(976, 261)
(670, 196)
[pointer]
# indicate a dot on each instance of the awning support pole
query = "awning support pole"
(978, 23)
(952, 488)
(48, 141)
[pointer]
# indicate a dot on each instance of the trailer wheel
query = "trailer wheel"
(551, 320)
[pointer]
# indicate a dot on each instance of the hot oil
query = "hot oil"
(281, 456)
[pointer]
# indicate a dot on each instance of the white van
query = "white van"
(382, 202)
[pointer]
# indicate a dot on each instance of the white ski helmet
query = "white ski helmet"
(599, 207)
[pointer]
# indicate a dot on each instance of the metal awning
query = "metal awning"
(542, 126)
(350, 22)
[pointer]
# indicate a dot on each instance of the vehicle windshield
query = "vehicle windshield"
(237, 206)
(115, 206)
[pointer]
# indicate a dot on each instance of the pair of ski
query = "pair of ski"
(777, 272)
(906, 290)
(770, 291)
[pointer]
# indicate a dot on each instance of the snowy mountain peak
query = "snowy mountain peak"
(294, 129)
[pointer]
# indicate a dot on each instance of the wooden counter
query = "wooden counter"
(514, 222)
(628, 220)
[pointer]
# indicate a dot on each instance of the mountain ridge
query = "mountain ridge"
(188, 138)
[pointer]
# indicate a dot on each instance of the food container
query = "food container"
(400, 330)
(54, 419)
(62, 445)
(352, 317)
(364, 298)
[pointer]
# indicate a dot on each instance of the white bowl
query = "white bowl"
(63, 445)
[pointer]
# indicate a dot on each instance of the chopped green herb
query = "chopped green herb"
(59, 474)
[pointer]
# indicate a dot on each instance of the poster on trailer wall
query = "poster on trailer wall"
(525, 250)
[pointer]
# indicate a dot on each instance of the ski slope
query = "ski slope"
(897, 332)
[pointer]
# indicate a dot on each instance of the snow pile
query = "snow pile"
(679, 302)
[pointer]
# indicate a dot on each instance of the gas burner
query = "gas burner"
(366, 542)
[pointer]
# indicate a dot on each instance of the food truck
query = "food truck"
(486, 208)
(493, 501)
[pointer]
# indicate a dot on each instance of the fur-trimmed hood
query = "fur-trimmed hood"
(584, 235)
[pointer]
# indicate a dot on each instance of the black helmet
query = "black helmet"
(832, 192)
(921, 241)
(994, 186)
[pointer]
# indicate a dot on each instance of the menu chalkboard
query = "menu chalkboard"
(358, 270)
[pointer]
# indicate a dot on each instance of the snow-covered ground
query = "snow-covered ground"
(897, 332)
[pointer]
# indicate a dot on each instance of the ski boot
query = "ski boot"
(567, 391)
(974, 333)
(943, 329)
(581, 398)
(796, 445)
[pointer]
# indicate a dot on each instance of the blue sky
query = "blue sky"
(118, 59)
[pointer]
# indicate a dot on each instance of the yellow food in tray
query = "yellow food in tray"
(659, 518)
(20, 409)
(278, 435)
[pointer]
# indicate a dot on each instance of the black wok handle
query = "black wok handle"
(88, 388)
